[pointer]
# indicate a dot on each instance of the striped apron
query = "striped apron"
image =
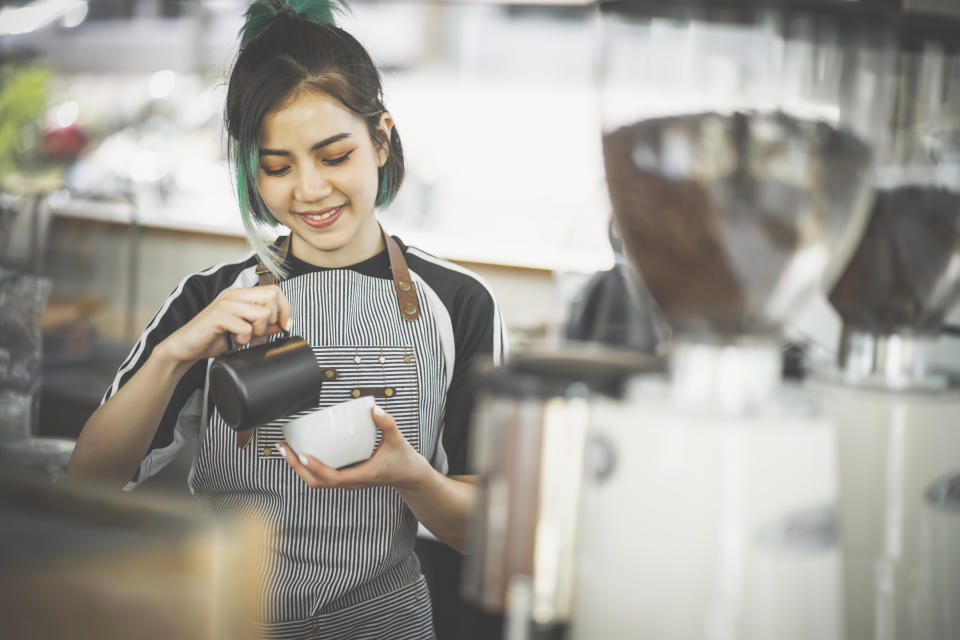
(340, 563)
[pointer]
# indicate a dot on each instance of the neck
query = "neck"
(366, 243)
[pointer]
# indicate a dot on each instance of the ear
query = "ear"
(386, 127)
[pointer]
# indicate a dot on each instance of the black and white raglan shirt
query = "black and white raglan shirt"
(334, 552)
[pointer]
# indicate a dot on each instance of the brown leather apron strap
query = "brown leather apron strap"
(405, 289)
(266, 278)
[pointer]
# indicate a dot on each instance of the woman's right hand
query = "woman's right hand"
(244, 313)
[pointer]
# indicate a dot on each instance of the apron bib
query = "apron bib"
(332, 548)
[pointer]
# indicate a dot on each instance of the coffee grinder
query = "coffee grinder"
(527, 448)
(740, 185)
(898, 415)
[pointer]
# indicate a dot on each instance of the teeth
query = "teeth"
(324, 216)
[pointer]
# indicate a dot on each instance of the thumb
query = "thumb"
(383, 420)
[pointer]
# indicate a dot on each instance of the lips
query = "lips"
(322, 217)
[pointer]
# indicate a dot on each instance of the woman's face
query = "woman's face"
(318, 176)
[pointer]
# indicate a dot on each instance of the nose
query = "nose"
(312, 186)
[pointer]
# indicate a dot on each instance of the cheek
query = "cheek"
(372, 178)
(367, 174)
(269, 193)
(360, 184)
(373, 181)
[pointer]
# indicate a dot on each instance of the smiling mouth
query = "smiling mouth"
(320, 216)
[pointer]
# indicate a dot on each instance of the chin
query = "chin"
(330, 244)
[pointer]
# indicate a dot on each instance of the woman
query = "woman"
(315, 150)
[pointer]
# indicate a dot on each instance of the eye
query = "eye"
(276, 172)
(332, 162)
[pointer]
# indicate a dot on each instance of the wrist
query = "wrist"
(421, 476)
(169, 362)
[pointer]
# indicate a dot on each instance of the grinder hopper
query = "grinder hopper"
(905, 274)
(898, 438)
(738, 181)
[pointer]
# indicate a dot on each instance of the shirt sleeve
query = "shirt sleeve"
(181, 419)
(478, 336)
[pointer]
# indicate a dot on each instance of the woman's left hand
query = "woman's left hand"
(395, 463)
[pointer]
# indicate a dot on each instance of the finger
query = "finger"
(273, 314)
(260, 325)
(328, 475)
(384, 421)
(239, 327)
(285, 316)
(242, 330)
(271, 297)
(273, 303)
(313, 472)
(307, 476)
(284, 449)
(256, 315)
(293, 459)
(254, 295)
(263, 297)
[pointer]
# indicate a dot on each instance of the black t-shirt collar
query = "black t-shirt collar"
(377, 266)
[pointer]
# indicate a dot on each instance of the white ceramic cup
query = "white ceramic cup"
(336, 436)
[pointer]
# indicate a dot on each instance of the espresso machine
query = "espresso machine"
(897, 413)
(741, 186)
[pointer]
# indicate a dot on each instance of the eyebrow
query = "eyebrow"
(323, 143)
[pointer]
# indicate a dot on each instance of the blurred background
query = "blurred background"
(115, 183)
(114, 186)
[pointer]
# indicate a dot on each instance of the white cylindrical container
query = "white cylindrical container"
(899, 453)
(704, 525)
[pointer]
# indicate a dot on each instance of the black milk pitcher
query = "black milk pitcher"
(257, 385)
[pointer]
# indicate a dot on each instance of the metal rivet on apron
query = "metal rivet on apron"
(330, 374)
(410, 309)
(403, 285)
(381, 359)
(388, 392)
(407, 357)
(356, 359)
(355, 393)
(266, 451)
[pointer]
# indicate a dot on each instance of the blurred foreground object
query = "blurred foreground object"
(81, 562)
